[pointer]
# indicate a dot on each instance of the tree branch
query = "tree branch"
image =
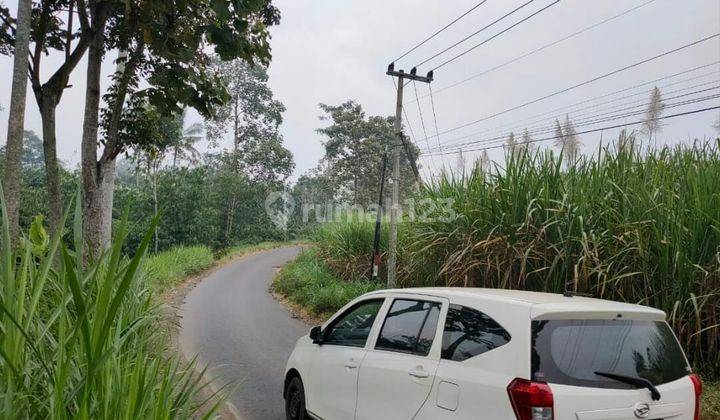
(113, 146)
(82, 13)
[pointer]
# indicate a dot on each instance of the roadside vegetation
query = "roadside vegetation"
(309, 282)
(628, 226)
(167, 269)
(81, 340)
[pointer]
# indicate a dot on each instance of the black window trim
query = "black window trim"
(423, 299)
(459, 306)
(339, 317)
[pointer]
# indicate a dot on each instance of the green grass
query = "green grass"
(627, 227)
(84, 340)
(711, 400)
(308, 282)
(167, 269)
(346, 246)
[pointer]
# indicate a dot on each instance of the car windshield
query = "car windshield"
(569, 352)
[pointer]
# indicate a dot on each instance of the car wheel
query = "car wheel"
(295, 401)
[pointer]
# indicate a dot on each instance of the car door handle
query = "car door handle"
(419, 373)
(351, 364)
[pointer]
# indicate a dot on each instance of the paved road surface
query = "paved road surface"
(235, 326)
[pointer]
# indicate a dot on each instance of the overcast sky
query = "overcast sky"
(330, 51)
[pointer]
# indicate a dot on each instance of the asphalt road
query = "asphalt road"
(242, 334)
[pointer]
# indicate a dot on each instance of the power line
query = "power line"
(565, 108)
(593, 120)
(544, 47)
(598, 118)
(496, 35)
(475, 33)
(439, 31)
(432, 103)
(589, 131)
(422, 121)
(517, 125)
(587, 82)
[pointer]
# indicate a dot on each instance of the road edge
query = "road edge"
(172, 301)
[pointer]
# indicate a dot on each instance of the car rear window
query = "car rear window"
(569, 352)
(469, 333)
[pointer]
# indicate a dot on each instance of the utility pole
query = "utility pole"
(375, 260)
(395, 207)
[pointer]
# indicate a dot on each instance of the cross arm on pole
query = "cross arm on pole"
(410, 76)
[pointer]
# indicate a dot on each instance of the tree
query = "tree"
(32, 154)
(16, 117)
(168, 46)
(652, 123)
(354, 151)
(252, 111)
(253, 116)
(183, 148)
(154, 136)
(53, 32)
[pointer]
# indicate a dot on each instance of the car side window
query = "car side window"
(469, 332)
(409, 327)
(353, 327)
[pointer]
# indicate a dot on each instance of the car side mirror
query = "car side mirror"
(316, 335)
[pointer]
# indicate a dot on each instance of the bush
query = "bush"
(308, 282)
(82, 341)
(165, 269)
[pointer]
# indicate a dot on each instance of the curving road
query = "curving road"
(242, 334)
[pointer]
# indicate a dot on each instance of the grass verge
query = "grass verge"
(309, 283)
(167, 269)
(711, 400)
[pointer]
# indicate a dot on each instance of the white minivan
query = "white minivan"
(461, 353)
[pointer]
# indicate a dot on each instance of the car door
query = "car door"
(397, 372)
(333, 370)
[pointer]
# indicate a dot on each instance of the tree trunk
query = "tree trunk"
(230, 218)
(153, 174)
(92, 173)
(16, 120)
(52, 168)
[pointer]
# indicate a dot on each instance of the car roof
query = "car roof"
(542, 305)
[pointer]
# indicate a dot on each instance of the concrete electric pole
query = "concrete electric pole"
(399, 144)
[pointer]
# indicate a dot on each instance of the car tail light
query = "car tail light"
(697, 384)
(531, 400)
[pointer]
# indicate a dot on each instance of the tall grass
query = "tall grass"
(308, 282)
(623, 226)
(346, 246)
(82, 340)
(163, 270)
